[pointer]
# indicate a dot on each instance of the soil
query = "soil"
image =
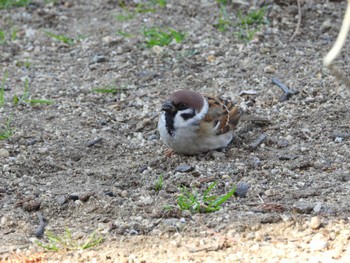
(89, 161)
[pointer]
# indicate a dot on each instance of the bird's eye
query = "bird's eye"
(182, 106)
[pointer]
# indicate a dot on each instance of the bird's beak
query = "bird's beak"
(168, 107)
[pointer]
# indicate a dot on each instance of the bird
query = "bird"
(192, 123)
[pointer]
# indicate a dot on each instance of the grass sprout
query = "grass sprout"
(126, 15)
(2, 90)
(159, 37)
(194, 202)
(67, 242)
(124, 34)
(109, 89)
(26, 64)
(62, 38)
(248, 25)
(13, 3)
(161, 3)
(6, 131)
(158, 185)
(8, 36)
(223, 23)
(25, 98)
(253, 17)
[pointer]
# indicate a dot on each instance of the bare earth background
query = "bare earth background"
(54, 164)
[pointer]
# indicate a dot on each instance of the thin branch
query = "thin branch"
(339, 43)
(299, 21)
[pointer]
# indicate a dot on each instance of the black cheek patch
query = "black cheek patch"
(169, 122)
(187, 116)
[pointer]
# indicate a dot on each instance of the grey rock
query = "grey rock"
(242, 189)
(61, 200)
(303, 207)
(184, 168)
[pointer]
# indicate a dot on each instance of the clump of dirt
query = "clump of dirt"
(90, 160)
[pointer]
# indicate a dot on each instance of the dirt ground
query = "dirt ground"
(89, 161)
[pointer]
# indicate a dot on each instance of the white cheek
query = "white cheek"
(179, 122)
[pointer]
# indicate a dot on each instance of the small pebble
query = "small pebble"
(282, 143)
(315, 222)
(99, 59)
(184, 168)
(61, 200)
(270, 192)
(318, 242)
(73, 197)
(109, 193)
(269, 69)
(133, 232)
(242, 189)
(124, 193)
(338, 139)
(152, 137)
(142, 168)
(303, 207)
(94, 141)
(317, 208)
(225, 177)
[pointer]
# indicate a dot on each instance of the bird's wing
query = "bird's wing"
(222, 115)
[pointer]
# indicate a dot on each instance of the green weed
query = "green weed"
(62, 38)
(158, 37)
(223, 23)
(159, 184)
(253, 17)
(144, 8)
(66, 241)
(109, 89)
(126, 15)
(6, 131)
(25, 98)
(191, 200)
(248, 25)
(161, 3)
(25, 64)
(2, 37)
(8, 36)
(2, 90)
(124, 34)
(13, 3)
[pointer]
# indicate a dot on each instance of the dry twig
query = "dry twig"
(299, 21)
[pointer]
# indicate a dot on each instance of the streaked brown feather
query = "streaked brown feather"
(223, 114)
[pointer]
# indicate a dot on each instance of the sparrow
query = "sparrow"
(191, 123)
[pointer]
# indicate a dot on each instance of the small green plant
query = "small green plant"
(8, 36)
(13, 3)
(125, 15)
(222, 2)
(26, 64)
(109, 89)
(2, 90)
(124, 34)
(159, 184)
(2, 37)
(66, 241)
(191, 200)
(161, 3)
(6, 131)
(62, 38)
(223, 23)
(159, 37)
(246, 35)
(144, 8)
(26, 98)
(253, 17)
(248, 25)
